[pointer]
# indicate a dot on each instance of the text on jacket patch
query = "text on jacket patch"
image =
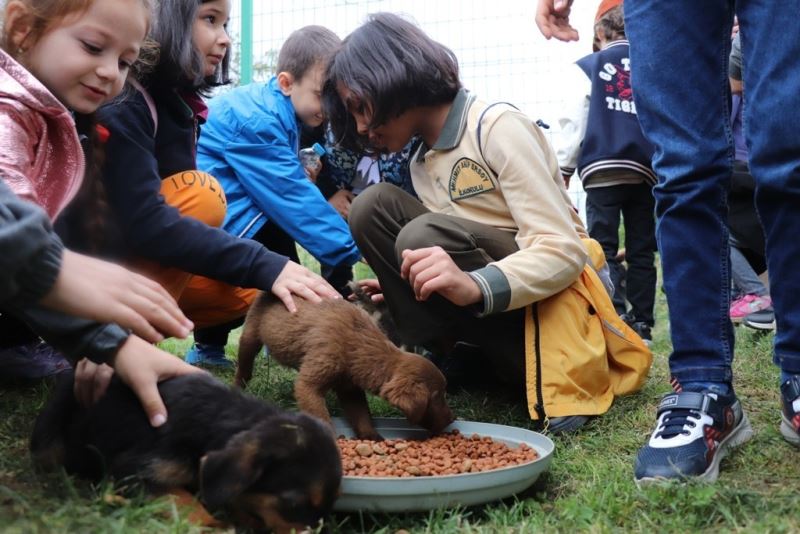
(618, 86)
(468, 179)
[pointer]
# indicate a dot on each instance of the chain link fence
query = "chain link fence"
(501, 53)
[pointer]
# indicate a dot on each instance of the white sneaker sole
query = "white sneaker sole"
(759, 326)
(788, 431)
(740, 435)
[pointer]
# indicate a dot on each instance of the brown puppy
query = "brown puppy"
(336, 345)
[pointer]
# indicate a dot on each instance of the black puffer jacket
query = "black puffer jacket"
(30, 259)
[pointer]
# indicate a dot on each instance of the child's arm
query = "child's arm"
(30, 251)
(156, 231)
(575, 93)
(551, 255)
(37, 268)
(102, 291)
(268, 168)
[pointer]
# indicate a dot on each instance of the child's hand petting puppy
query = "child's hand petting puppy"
(297, 280)
(141, 366)
(431, 270)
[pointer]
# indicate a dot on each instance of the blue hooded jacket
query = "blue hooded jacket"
(250, 144)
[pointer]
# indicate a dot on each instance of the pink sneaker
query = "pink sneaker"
(742, 307)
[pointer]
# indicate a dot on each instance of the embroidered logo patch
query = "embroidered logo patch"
(670, 400)
(468, 179)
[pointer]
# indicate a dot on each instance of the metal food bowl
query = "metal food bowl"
(392, 494)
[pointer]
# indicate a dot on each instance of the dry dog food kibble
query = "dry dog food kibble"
(447, 454)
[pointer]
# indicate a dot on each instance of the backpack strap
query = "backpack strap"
(480, 124)
(151, 105)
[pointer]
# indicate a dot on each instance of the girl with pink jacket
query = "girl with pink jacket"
(59, 62)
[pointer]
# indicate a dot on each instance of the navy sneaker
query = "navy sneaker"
(790, 416)
(211, 355)
(760, 320)
(694, 433)
(31, 361)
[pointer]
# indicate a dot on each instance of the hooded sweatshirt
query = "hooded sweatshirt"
(40, 155)
(41, 161)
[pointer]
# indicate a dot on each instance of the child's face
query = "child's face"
(390, 136)
(85, 59)
(210, 35)
(305, 94)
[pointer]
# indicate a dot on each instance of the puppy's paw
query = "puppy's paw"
(195, 512)
(371, 435)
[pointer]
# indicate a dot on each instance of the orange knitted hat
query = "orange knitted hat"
(605, 6)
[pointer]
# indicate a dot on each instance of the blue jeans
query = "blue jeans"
(679, 52)
(745, 279)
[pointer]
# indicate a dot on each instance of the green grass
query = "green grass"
(589, 487)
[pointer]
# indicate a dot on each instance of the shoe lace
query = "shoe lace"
(677, 422)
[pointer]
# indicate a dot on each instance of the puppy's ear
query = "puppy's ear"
(407, 395)
(226, 473)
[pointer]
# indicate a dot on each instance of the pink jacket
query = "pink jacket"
(40, 155)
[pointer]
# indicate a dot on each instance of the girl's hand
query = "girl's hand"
(91, 381)
(141, 366)
(372, 287)
(552, 18)
(107, 293)
(341, 201)
(297, 280)
(432, 270)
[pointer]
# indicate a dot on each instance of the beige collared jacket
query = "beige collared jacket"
(492, 165)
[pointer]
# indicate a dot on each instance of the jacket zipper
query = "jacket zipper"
(539, 406)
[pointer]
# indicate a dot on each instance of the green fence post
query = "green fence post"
(246, 45)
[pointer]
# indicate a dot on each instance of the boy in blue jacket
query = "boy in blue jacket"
(250, 144)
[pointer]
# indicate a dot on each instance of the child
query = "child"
(492, 254)
(250, 144)
(354, 172)
(164, 212)
(68, 56)
(602, 140)
(344, 175)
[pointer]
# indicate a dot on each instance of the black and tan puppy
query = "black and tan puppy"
(337, 345)
(261, 465)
